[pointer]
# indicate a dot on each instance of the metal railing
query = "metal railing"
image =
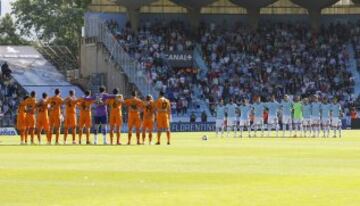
(96, 28)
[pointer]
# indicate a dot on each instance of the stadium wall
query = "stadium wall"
(96, 59)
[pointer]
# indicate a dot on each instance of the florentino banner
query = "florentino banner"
(179, 59)
(185, 127)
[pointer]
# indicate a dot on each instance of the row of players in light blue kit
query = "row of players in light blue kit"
(307, 117)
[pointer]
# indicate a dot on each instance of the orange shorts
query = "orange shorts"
(85, 121)
(30, 121)
(43, 124)
(21, 122)
(70, 121)
(115, 120)
(163, 122)
(55, 121)
(134, 122)
(148, 124)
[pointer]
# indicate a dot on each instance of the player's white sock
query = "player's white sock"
(95, 139)
(217, 131)
(104, 139)
(262, 130)
(277, 130)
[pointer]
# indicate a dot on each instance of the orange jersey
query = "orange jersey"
(55, 106)
(85, 112)
(85, 107)
(30, 104)
(70, 106)
(163, 106)
(134, 105)
(42, 108)
(21, 112)
(149, 110)
(115, 106)
(21, 116)
(163, 109)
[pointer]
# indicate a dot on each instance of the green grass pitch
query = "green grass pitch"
(221, 171)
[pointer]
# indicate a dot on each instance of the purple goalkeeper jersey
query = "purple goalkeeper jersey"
(101, 109)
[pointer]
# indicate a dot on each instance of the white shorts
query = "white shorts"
(231, 121)
(325, 121)
(298, 121)
(258, 121)
(272, 119)
(315, 120)
(306, 121)
(336, 122)
(244, 122)
(286, 119)
(220, 123)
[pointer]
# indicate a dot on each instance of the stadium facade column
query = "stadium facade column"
(253, 15)
(133, 10)
(194, 16)
(253, 9)
(315, 18)
(314, 9)
(134, 18)
(193, 8)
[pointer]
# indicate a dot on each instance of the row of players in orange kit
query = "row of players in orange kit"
(46, 115)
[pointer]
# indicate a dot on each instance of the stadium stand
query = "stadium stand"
(260, 62)
(10, 93)
(62, 58)
(276, 59)
(30, 71)
(149, 46)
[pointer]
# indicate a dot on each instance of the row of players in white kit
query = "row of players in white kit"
(307, 117)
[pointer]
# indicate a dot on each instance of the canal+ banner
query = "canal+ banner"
(179, 59)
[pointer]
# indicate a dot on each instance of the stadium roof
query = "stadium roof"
(228, 6)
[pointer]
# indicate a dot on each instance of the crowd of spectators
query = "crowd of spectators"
(278, 59)
(9, 96)
(149, 46)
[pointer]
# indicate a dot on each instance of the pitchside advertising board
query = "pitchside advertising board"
(186, 127)
(8, 131)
